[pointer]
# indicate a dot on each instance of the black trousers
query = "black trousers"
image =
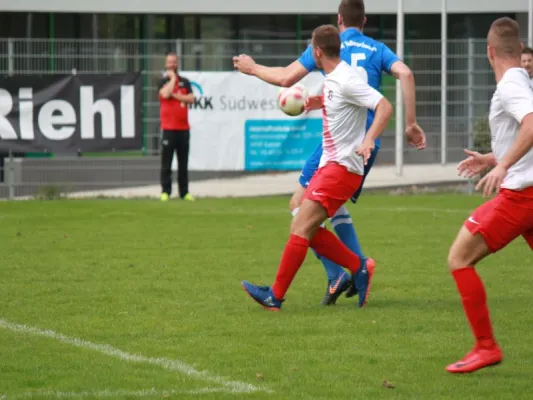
(175, 142)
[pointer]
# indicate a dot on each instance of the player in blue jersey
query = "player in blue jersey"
(370, 58)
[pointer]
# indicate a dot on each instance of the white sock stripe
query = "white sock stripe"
(340, 216)
(342, 211)
(340, 221)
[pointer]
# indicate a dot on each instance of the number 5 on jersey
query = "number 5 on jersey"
(356, 57)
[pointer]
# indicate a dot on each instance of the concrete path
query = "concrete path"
(285, 183)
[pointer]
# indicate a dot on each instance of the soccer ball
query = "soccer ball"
(291, 100)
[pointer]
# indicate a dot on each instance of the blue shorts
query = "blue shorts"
(311, 165)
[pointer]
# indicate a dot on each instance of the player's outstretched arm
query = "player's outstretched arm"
(363, 95)
(383, 113)
(475, 164)
(279, 76)
(415, 134)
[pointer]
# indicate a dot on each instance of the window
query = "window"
(422, 26)
(474, 26)
(212, 53)
(310, 22)
(88, 23)
(119, 26)
(13, 24)
(216, 27)
(66, 26)
(40, 23)
(267, 27)
(381, 27)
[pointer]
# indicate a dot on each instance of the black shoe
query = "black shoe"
(335, 288)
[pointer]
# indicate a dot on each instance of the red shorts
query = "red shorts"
(332, 186)
(505, 217)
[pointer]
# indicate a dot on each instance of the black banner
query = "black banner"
(70, 113)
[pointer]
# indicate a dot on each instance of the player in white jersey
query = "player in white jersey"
(527, 61)
(508, 215)
(344, 124)
(345, 103)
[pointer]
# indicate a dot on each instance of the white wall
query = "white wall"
(256, 6)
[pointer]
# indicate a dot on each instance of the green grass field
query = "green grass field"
(125, 299)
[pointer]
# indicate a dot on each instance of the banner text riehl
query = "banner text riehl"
(57, 119)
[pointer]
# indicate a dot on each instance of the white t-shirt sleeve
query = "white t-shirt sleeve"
(517, 98)
(361, 94)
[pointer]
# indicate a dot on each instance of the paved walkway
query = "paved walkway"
(285, 183)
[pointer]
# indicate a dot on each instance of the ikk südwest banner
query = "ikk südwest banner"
(236, 124)
(71, 113)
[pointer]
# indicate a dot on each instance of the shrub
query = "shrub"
(49, 192)
(482, 135)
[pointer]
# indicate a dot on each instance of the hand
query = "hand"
(365, 149)
(473, 165)
(415, 136)
(313, 103)
(492, 181)
(244, 64)
(171, 74)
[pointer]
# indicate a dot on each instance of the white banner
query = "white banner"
(236, 124)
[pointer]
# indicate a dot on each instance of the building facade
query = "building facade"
(239, 19)
(107, 36)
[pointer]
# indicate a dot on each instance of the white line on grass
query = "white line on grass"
(421, 209)
(108, 350)
(279, 211)
(112, 393)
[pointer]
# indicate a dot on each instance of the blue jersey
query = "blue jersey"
(368, 56)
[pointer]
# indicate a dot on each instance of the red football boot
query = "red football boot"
(478, 358)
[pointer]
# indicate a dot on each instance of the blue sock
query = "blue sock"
(343, 225)
(333, 271)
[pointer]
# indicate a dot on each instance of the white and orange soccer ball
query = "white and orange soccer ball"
(291, 100)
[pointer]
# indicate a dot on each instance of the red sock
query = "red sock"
(292, 259)
(474, 301)
(327, 245)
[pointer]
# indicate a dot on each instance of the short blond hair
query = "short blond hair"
(504, 37)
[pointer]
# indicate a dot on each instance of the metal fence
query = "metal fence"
(470, 84)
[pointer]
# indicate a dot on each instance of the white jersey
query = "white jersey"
(512, 101)
(347, 98)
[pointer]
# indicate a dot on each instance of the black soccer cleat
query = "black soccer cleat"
(336, 288)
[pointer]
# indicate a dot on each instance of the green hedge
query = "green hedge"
(482, 138)
(482, 135)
